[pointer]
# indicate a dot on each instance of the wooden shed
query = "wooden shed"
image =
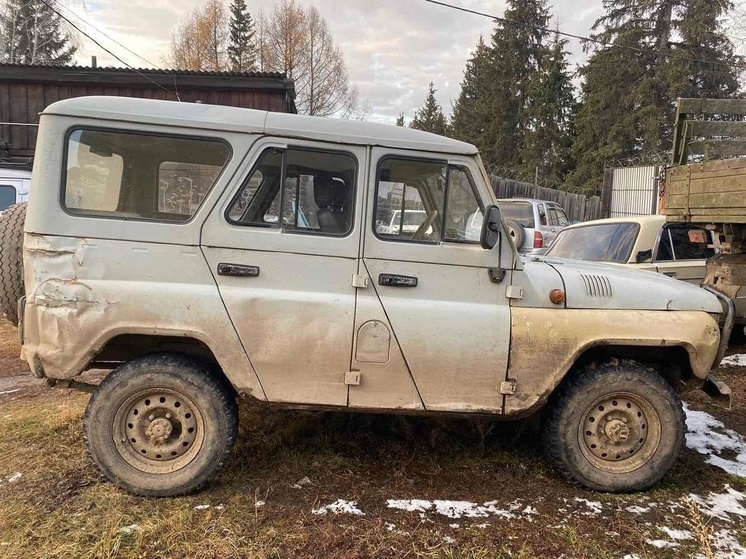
(26, 90)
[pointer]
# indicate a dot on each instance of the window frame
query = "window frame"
(280, 225)
(448, 165)
(666, 230)
(115, 215)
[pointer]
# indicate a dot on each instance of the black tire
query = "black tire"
(11, 260)
(586, 420)
(516, 232)
(161, 425)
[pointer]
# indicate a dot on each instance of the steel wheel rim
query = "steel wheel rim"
(158, 430)
(619, 433)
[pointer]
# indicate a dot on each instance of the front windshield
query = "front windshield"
(608, 242)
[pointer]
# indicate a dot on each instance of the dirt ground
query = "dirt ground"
(356, 485)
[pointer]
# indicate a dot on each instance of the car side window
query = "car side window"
(426, 201)
(684, 243)
(543, 217)
(558, 216)
(313, 191)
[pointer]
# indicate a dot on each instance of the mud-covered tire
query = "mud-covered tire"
(11, 260)
(161, 425)
(516, 232)
(618, 427)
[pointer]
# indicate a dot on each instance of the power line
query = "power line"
(579, 37)
(112, 39)
(103, 47)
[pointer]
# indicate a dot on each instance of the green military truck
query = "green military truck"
(707, 186)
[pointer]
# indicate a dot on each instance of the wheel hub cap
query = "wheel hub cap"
(615, 428)
(159, 430)
(617, 431)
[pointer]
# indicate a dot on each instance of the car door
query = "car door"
(284, 247)
(683, 251)
(446, 323)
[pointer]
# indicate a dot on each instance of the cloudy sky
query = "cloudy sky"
(393, 48)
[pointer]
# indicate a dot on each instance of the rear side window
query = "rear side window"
(7, 196)
(313, 191)
(140, 176)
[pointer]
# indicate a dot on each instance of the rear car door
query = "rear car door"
(683, 251)
(284, 248)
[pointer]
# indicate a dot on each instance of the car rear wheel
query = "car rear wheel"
(11, 260)
(161, 425)
(618, 427)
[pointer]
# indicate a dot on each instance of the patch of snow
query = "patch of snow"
(10, 391)
(737, 360)
(409, 505)
(709, 437)
(462, 509)
(594, 507)
(259, 504)
(449, 539)
(661, 544)
(389, 526)
(722, 505)
(202, 507)
(15, 477)
(221, 506)
(631, 556)
(727, 546)
(454, 525)
(340, 506)
(482, 526)
(529, 510)
(676, 534)
(127, 530)
(634, 509)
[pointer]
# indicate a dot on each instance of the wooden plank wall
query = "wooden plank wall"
(22, 103)
(578, 207)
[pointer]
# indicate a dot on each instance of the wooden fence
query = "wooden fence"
(578, 207)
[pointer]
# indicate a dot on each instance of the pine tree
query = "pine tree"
(33, 34)
(628, 95)
(551, 108)
(518, 51)
(400, 119)
(430, 117)
(471, 109)
(242, 50)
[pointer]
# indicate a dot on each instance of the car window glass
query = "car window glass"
(463, 211)
(410, 196)
(561, 217)
(7, 196)
(142, 176)
(552, 216)
(317, 194)
(607, 242)
(521, 212)
(665, 251)
(689, 243)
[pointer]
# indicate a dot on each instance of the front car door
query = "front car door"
(683, 251)
(446, 324)
(284, 249)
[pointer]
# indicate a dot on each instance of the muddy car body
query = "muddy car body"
(153, 245)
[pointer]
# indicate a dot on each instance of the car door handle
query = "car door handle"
(394, 280)
(239, 270)
(670, 274)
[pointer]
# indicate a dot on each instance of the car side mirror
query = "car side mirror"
(644, 256)
(490, 228)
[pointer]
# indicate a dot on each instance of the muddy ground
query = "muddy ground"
(357, 485)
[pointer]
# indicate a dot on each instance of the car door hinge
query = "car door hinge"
(507, 387)
(352, 378)
(514, 292)
(359, 281)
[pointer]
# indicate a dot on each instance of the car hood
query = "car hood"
(593, 285)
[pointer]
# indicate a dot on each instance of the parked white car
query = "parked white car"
(677, 250)
(205, 252)
(14, 186)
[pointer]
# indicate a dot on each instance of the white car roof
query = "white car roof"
(218, 117)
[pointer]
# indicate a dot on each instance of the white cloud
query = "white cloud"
(393, 48)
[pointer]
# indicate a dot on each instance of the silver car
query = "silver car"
(532, 224)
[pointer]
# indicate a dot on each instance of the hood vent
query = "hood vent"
(597, 286)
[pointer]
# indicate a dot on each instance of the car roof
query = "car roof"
(643, 220)
(532, 200)
(234, 119)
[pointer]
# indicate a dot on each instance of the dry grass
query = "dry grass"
(10, 364)
(60, 508)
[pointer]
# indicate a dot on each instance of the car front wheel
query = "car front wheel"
(618, 427)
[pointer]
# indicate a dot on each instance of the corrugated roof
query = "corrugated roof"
(150, 71)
